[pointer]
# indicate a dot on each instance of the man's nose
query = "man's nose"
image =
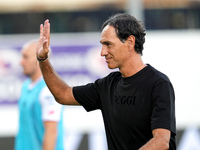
(21, 61)
(104, 52)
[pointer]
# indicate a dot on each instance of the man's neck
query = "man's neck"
(34, 82)
(36, 77)
(132, 67)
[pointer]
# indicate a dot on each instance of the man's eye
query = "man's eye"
(108, 44)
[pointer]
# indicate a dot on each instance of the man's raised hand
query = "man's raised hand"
(44, 41)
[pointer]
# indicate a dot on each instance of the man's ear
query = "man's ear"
(131, 41)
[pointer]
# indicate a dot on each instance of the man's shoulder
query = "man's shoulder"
(158, 75)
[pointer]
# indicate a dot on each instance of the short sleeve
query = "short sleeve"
(51, 110)
(163, 107)
(88, 96)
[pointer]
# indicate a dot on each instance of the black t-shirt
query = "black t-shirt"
(131, 107)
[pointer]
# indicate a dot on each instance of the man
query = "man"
(40, 118)
(137, 103)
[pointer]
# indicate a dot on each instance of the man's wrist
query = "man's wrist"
(42, 60)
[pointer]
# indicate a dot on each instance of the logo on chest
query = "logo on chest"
(125, 100)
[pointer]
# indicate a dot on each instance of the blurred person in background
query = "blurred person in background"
(137, 102)
(40, 116)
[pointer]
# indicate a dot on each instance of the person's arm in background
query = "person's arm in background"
(61, 91)
(51, 116)
(50, 135)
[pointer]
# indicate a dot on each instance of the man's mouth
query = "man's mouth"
(108, 58)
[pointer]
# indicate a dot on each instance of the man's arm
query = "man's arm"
(160, 140)
(61, 91)
(50, 135)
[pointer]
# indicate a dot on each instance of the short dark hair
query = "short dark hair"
(126, 25)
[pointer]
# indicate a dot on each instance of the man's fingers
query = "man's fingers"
(44, 40)
(48, 34)
(46, 29)
(41, 30)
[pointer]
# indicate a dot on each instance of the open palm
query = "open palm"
(42, 49)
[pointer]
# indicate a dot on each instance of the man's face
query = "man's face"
(113, 49)
(28, 60)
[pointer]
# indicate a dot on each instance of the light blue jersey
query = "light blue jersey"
(31, 127)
